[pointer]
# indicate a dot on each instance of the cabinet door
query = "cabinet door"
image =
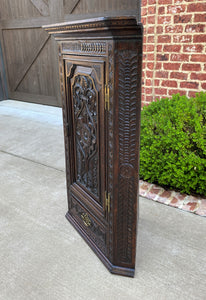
(87, 148)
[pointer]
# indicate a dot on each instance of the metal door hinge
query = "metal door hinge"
(107, 201)
(106, 97)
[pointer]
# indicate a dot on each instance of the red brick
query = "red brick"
(150, 39)
(150, 48)
(151, 19)
(198, 57)
(164, 20)
(169, 83)
(192, 93)
(205, 67)
(159, 48)
(151, 10)
(200, 38)
(165, 2)
(144, 3)
(179, 57)
(189, 85)
(161, 10)
(158, 66)
(182, 38)
(200, 18)
(164, 196)
(176, 91)
(195, 28)
(171, 48)
(144, 20)
(149, 98)
(179, 75)
(148, 82)
(150, 30)
(173, 29)
(149, 74)
(171, 66)
(144, 11)
(191, 67)
(161, 74)
(175, 9)
(156, 82)
(182, 19)
(161, 91)
(164, 39)
(198, 76)
(150, 56)
(203, 85)
(148, 91)
(192, 48)
(195, 7)
(144, 39)
(202, 208)
(162, 57)
(159, 29)
(150, 2)
(150, 65)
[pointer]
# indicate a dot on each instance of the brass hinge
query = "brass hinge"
(107, 201)
(106, 95)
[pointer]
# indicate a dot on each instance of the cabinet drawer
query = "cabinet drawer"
(95, 231)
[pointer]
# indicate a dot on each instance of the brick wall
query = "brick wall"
(174, 48)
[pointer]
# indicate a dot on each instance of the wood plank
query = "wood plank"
(70, 6)
(21, 73)
(56, 12)
(3, 83)
(41, 6)
(25, 23)
(6, 85)
(56, 9)
(73, 17)
(27, 97)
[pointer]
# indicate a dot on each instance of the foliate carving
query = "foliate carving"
(93, 47)
(85, 121)
(88, 47)
(110, 138)
(96, 233)
(128, 77)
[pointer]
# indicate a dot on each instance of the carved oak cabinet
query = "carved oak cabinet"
(100, 78)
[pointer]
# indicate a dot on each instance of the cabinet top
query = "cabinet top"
(100, 24)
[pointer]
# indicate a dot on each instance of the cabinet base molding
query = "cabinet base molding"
(113, 269)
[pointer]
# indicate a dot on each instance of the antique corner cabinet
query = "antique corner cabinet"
(100, 77)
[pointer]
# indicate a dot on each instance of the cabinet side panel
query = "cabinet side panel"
(127, 124)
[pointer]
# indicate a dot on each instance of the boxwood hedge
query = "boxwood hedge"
(173, 143)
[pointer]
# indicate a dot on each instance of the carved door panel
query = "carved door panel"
(87, 147)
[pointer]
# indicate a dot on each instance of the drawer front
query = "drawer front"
(90, 225)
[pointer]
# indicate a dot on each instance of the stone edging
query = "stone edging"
(185, 202)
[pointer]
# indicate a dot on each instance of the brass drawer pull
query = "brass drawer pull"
(86, 219)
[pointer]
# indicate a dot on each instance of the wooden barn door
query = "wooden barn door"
(30, 55)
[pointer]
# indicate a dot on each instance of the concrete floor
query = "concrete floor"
(43, 257)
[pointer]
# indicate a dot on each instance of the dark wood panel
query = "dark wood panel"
(94, 6)
(39, 99)
(38, 79)
(3, 84)
(21, 58)
(14, 9)
(24, 23)
(30, 59)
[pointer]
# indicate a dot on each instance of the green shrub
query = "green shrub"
(173, 143)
